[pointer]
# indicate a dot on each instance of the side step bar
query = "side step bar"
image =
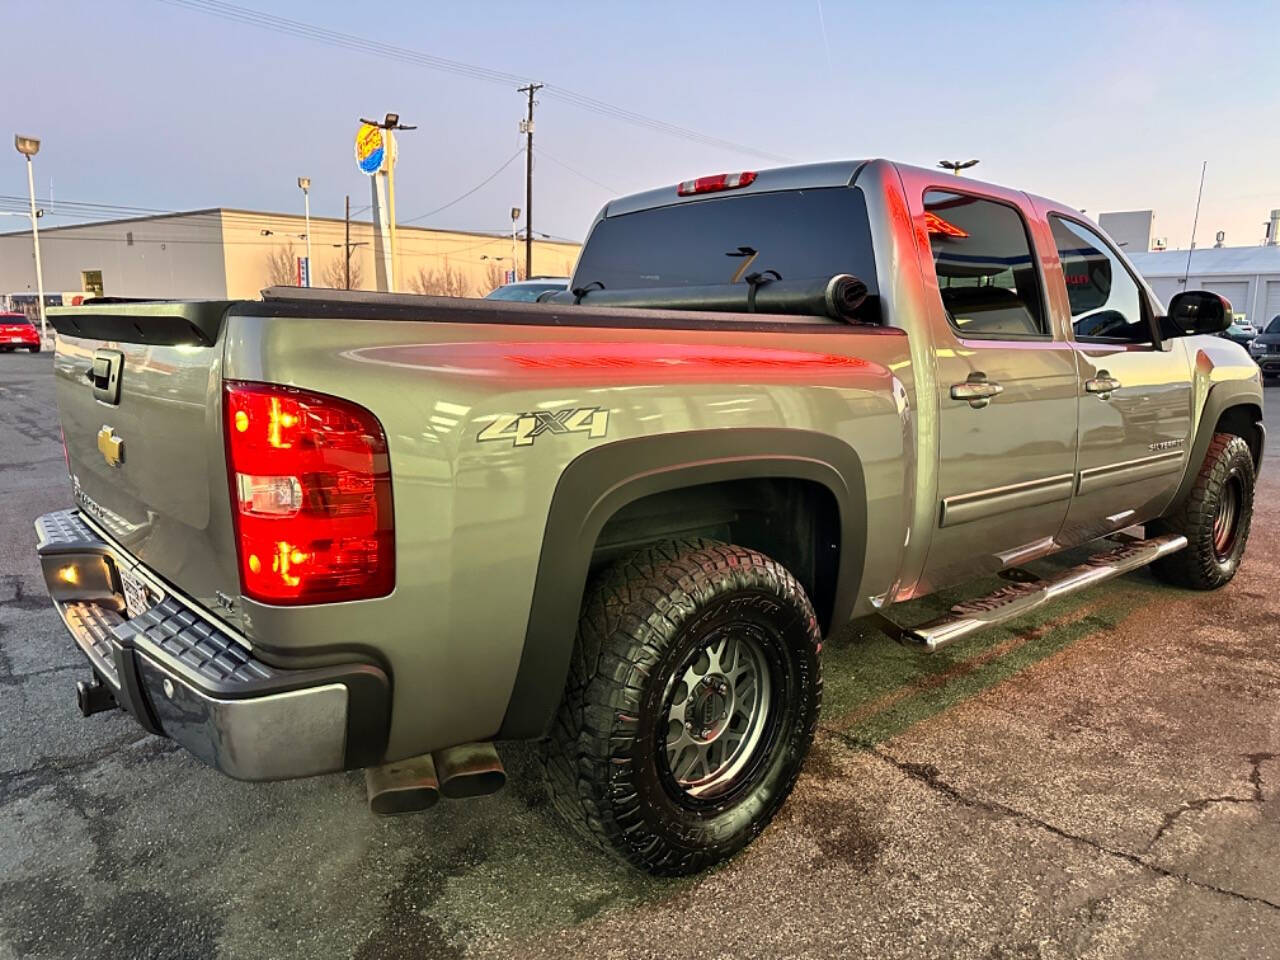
(1019, 598)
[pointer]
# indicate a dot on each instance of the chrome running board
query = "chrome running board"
(1019, 598)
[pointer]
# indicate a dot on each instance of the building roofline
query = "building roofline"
(242, 211)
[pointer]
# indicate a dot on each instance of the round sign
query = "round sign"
(369, 148)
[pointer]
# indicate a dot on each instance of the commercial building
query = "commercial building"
(227, 253)
(1247, 276)
(1131, 230)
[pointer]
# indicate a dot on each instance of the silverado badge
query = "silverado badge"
(110, 446)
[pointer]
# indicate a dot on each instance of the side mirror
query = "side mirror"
(1199, 311)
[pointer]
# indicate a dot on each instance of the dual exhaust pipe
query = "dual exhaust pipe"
(408, 786)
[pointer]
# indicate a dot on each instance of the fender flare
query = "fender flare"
(601, 481)
(1221, 397)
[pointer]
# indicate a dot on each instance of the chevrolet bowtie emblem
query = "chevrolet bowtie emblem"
(110, 446)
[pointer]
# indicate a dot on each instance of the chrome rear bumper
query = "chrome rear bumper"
(180, 675)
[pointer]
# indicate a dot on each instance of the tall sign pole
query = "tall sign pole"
(371, 154)
(386, 169)
(390, 165)
(526, 127)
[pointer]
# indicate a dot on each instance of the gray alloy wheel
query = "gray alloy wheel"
(717, 713)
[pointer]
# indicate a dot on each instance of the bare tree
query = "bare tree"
(334, 274)
(446, 282)
(282, 266)
(496, 275)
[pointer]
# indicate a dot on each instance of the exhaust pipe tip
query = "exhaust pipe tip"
(405, 786)
(469, 770)
(94, 696)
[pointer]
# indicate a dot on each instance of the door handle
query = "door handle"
(1103, 385)
(977, 389)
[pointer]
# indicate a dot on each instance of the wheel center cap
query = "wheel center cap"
(710, 707)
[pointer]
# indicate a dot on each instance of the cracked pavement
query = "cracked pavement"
(1100, 780)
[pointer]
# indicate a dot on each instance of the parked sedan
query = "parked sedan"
(529, 290)
(1265, 348)
(17, 332)
(1241, 331)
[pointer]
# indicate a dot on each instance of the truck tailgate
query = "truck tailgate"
(142, 426)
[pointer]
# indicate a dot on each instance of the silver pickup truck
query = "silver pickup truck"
(326, 531)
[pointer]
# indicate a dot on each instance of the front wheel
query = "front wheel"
(691, 703)
(1214, 517)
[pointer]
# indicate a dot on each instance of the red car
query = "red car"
(16, 331)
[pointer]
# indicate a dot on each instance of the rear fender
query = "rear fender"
(603, 480)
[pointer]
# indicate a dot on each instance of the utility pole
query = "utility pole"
(346, 248)
(526, 127)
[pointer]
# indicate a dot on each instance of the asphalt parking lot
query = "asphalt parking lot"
(1102, 781)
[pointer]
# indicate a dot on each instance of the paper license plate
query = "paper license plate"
(137, 599)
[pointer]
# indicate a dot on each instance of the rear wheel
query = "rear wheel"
(1215, 518)
(35, 349)
(691, 703)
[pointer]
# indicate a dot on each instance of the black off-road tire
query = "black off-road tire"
(643, 622)
(1211, 558)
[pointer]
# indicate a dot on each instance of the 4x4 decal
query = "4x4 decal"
(521, 429)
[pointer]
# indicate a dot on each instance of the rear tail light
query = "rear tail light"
(311, 489)
(714, 184)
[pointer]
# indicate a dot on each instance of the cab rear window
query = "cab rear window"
(800, 234)
(987, 276)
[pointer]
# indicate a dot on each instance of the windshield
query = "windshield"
(1274, 325)
(529, 291)
(21, 318)
(801, 234)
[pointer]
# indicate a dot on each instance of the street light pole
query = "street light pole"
(305, 184)
(29, 147)
(515, 269)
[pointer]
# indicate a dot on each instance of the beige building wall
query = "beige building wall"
(163, 257)
(428, 261)
(220, 253)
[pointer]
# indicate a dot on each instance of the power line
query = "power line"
(483, 183)
(299, 28)
(578, 173)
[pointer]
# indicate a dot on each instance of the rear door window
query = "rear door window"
(799, 234)
(987, 275)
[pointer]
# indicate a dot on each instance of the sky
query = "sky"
(1105, 106)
